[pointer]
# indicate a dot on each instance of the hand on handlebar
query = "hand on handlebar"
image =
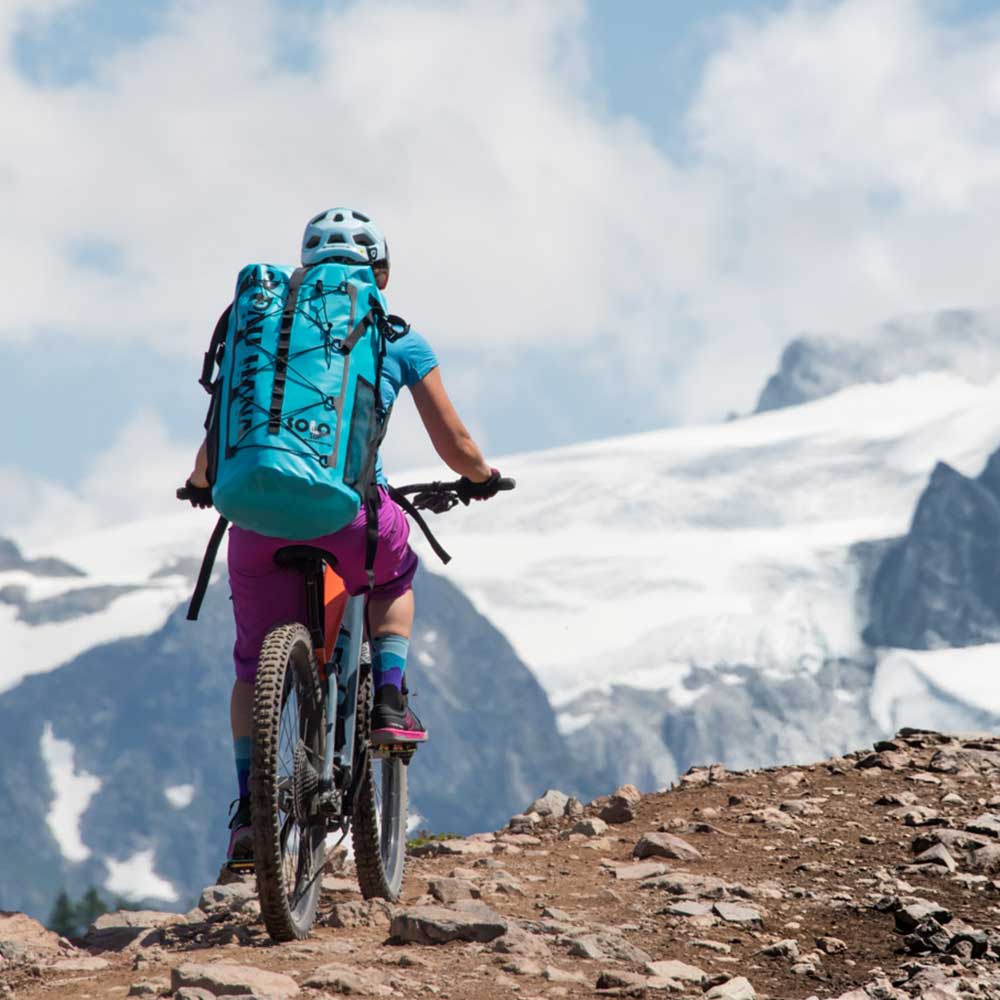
(441, 497)
(468, 490)
(197, 496)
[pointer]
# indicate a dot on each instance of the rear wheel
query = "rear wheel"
(289, 832)
(379, 827)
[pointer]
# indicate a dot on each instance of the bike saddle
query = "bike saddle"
(304, 558)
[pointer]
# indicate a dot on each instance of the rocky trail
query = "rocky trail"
(868, 877)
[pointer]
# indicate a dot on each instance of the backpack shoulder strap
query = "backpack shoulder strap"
(213, 355)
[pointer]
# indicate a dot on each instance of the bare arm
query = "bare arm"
(448, 434)
(199, 474)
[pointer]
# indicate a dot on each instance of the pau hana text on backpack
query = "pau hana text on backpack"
(296, 416)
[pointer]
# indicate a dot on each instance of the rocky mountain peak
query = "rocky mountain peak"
(816, 365)
(940, 584)
(863, 876)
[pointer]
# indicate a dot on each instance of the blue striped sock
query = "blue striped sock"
(389, 660)
(243, 750)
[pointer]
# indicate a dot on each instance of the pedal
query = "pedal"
(241, 867)
(403, 751)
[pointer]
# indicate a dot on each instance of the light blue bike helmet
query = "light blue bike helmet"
(342, 234)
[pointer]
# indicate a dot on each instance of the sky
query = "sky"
(606, 216)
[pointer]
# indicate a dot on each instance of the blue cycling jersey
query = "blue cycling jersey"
(407, 361)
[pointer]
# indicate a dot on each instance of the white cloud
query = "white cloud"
(858, 157)
(844, 169)
(514, 210)
(136, 477)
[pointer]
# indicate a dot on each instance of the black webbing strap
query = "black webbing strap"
(212, 356)
(281, 352)
(421, 524)
(371, 533)
(205, 573)
(360, 327)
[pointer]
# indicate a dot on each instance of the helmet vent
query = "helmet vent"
(313, 243)
(339, 217)
(314, 220)
(358, 215)
(364, 239)
(335, 238)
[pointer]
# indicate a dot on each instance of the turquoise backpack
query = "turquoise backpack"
(296, 416)
(294, 425)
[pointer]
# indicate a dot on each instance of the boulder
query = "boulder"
(641, 870)
(560, 976)
(744, 916)
(591, 827)
(937, 855)
(679, 972)
(688, 884)
(474, 921)
(228, 979)
(620, 807)
(738, 988)
(910, 916)
(985, 860)
(451, 890)
(348, 980)
(123, 928)
(457, 847)
(665, 845)
(986, 824)
(688, 908)
(23, 938)
(788, 948)
(552, 803)
(358, 913)
(604, 946)
(232, 896)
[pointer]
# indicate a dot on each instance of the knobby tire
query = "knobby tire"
(287, 898)
(378, 830)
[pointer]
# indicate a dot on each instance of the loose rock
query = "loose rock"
(439, 924)
(665, 845)
(227, 979)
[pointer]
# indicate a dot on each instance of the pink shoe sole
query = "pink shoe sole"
(398, 736)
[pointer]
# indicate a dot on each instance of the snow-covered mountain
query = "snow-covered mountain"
(703, 592)
(718, 592)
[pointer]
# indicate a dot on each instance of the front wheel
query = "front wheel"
(289, 833)
(380, 813)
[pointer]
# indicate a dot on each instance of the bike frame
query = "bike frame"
(343, 675)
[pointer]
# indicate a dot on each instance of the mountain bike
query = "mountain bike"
(315, 771)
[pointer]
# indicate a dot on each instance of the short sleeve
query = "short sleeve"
(416, 358)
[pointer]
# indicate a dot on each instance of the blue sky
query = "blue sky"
(647, 199)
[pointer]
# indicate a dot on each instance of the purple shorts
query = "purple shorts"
(265, 596)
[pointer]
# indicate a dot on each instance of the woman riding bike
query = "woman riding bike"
(265, 595)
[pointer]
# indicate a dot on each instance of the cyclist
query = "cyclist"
(264, 595)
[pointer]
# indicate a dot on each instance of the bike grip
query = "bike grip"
(182, 493)
(506, 483)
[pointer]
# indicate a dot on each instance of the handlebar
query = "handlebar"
(458, 486)
(440, 497)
